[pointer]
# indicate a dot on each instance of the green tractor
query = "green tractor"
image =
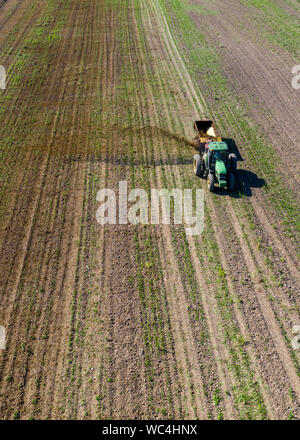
(213, 160)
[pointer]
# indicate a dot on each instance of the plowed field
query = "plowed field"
(144, 321)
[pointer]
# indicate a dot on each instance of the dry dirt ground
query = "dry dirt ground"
(144, 321)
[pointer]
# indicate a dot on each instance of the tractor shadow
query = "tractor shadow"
(232, 147)
(245, 180)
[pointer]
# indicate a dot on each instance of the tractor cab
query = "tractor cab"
(218, 151)
(216, 162)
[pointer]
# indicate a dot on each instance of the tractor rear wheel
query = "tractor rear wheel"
(211, 182)
(231, 182)
(233, 162)
(198, 169)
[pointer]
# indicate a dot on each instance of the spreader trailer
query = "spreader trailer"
(213, 161)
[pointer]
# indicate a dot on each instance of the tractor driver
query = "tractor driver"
(218, 155)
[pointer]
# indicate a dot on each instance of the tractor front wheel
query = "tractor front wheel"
(211, 182)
